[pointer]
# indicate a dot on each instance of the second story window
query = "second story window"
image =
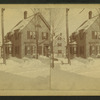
(44, 35)
(34, 36)
(59, 51)
(94, 35)
(30, 35)
(59, 44)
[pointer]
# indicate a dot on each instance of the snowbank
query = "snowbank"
(88, 67)
(26, 67)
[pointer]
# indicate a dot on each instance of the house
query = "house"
(28, 36)
(85, 41)
(59, 46)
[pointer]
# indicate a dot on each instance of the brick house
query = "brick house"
(87, 38)
(59, 46)
(24, 35)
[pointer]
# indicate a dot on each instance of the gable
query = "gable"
(25, 23)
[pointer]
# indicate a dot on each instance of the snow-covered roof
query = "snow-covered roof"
(21, 24)
(86, 24)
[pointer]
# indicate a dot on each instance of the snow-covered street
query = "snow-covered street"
(82, 74)
(34, 70)
(87, 67)
(26, 73)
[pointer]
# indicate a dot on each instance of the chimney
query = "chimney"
(25, 14)
(90, 14)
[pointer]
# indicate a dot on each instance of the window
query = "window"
(98, 35)
(44, 35)
(34, 35)
(59, 44)
(31, 35)
(94, 35)
(59, 51)
(59, 38)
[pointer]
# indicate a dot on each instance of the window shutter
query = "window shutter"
(96, 35)
(42, 36)
(34, 35)
(28, 34)
(93, 35)
(46, 35)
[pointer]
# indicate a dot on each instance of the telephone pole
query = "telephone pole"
(67, 34)
(2, 28)
(36, 32)
(51, 39)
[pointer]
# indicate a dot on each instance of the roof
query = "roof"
(21, 24)
(86, 24)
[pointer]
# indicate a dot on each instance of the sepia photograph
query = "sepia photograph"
(50, 48)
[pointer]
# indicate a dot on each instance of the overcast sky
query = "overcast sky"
(75, 18)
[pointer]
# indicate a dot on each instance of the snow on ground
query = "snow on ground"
(31, 68)
(82, 74)
(88, 67)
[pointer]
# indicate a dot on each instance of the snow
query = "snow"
(87, 67)
(82, 74)
(27, 67)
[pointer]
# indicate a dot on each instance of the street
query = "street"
(35, 74)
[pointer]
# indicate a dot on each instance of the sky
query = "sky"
(58, 18)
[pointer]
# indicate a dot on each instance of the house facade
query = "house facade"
(30, 35)
(59, 46)
(87, 38)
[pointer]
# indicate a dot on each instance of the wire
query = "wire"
(82, 11)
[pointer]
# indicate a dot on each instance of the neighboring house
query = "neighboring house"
(85, 41)
(59, 45)
(23, 36)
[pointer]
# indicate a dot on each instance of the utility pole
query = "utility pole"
(2, 28)
(51, 38)
(67, 34)
(36, 32)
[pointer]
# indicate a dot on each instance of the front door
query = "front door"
(46, 51)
